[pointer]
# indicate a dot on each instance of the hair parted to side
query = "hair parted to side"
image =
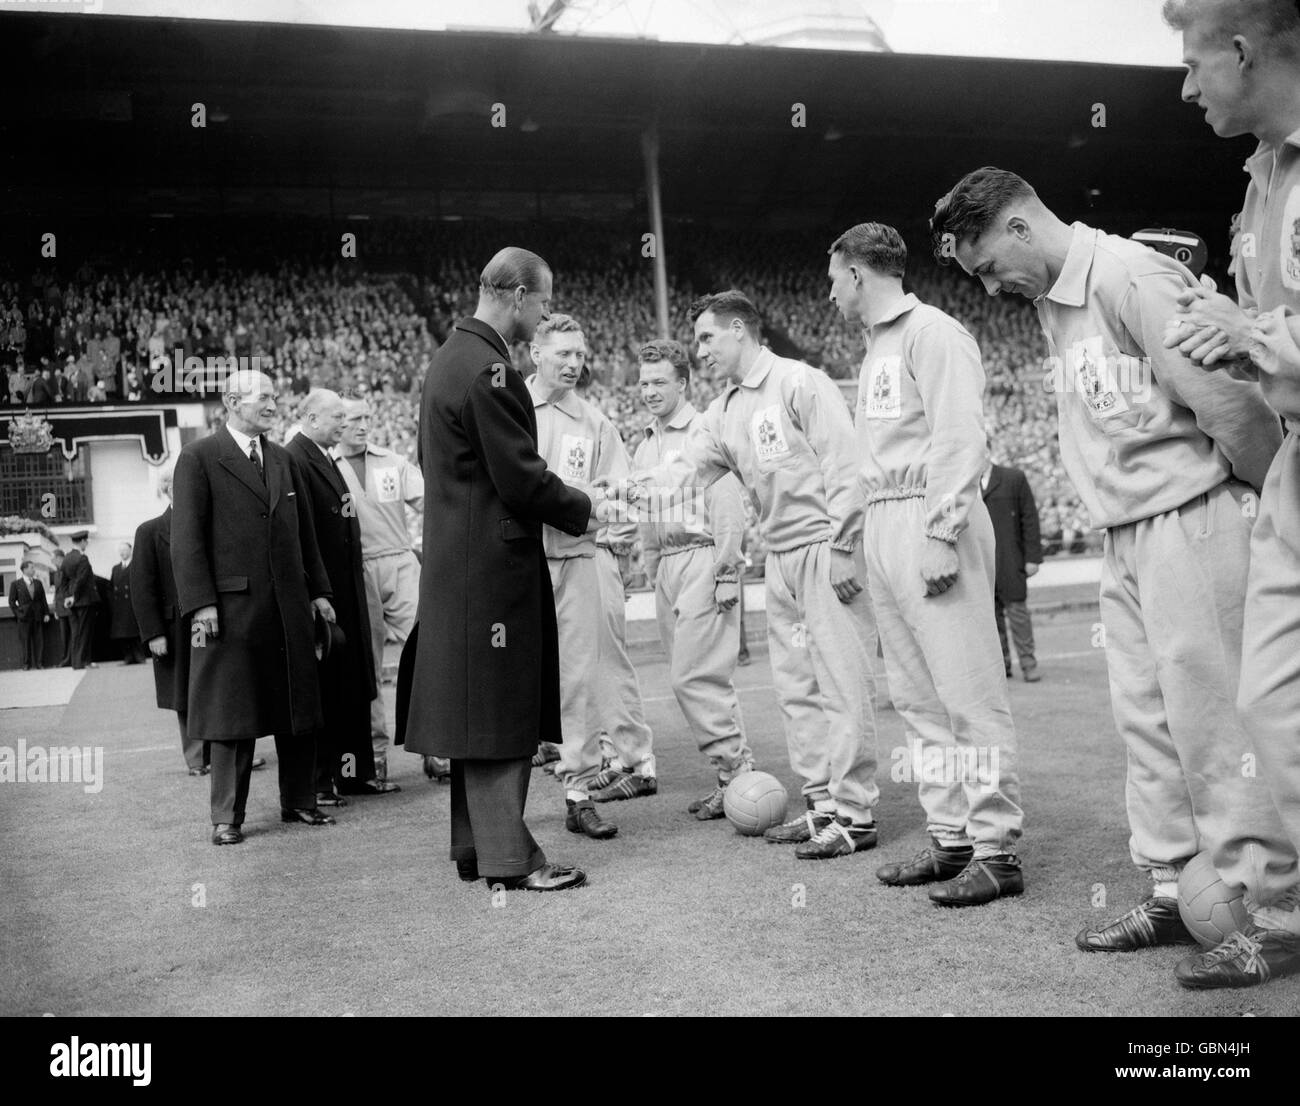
(511, 268)
(970, 208)
(875, 245)
(556, 324)
(665, 349)
(22, 567)
(1270, 24)
(728, 305)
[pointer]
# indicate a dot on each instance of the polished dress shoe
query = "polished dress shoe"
(1154, 922)
(369, 787)
(981, 881)
(330, 798)
(467, 870)
(226, 834)
(437, 768)
(933, 865)
(1245, 959)
(308, 816)
(583, 818)
(549, 877)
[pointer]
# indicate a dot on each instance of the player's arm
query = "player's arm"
(725, 504)
(1232, 412)
(412, 486)
(611, 467)
(949, 376)
(702, 461)
(818, 409)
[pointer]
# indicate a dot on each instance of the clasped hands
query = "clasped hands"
(1209, 328)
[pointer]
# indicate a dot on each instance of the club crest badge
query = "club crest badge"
(769, 438)
(1289, 254)
(883, 397)
(575, 457)
(389, 488)
(1095, 380)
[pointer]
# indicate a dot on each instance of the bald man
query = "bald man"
(344, 764)
(249, 582)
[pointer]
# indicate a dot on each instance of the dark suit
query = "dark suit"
(28, 603)
(153, 599)
(247, 546)
(80, 587)
(41, 393)
(486, 685)
(1015, 530)
(345, 699)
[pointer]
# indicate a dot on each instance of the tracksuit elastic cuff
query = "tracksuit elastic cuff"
(950, 534)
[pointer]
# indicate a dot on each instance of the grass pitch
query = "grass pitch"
(115, 903)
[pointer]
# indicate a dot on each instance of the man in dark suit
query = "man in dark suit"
(31, 612)
(42, 390)
(248, 578)
(1019, 554)
(345, 764)
(59, 584)
(486, 684)
(122, 627)
(80, 600)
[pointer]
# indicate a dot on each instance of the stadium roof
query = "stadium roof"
(95, 116)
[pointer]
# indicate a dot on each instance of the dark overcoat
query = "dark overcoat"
(249, 549)
(79, 579)
(1015, 529)
(153, 598)
(338, 536)
(486, 678)
(123, 616)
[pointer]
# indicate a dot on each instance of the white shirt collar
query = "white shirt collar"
(244, 441)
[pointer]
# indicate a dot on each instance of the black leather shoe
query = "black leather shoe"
(1154, 922)
(932, 865)
(329, 798)
(309, 816)
(467, 870)
(369, 787)
(981, 881)
(225, 834)
(549, 877)
(1245, 959)
(583, 818)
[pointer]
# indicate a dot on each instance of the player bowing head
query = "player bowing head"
(997, 229)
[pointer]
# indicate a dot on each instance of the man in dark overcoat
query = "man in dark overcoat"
(122, 626)
(162, 626)
(248, 574)
(345, 764)
(59, 585)
(1019, 554)
(486, 685)
(80, 599)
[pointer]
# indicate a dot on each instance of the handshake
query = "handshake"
(612, 501)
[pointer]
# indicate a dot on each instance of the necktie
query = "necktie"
(256, 458)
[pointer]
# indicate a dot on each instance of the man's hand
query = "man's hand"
(844, 576)
(323, 605)
(67, 603)
(938, 566)
(1031, 568)
(158, 646)
(726, 594)
(207, 618)
(1209, 328)
(46, 618)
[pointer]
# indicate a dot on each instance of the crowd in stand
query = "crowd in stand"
(370, 329)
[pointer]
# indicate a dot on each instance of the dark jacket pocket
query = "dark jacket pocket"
(513, 530)
(232, 583)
